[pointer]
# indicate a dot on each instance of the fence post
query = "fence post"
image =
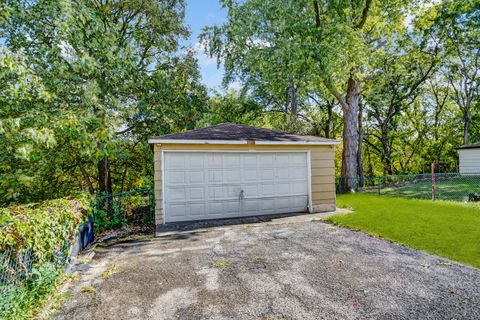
(378, 184)
(433, 180)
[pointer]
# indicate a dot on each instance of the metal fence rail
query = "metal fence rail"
(441, 186)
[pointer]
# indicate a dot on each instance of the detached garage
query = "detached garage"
(231, 171)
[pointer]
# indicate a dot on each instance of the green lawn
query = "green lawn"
(447, 229)
(455, 188)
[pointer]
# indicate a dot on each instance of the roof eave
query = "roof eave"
(258, 142)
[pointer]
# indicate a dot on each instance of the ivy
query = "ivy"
(41, 227)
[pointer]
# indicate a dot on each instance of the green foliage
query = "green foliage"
(448, 229)
(84, 81)
(133, 207)
(43, 227)
(41, 230)
(21, 302)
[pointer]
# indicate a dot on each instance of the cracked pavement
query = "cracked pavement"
(295, 268)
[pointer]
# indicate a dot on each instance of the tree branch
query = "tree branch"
(364, 15)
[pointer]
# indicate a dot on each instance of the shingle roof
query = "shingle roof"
(239, 132)
(475, 145)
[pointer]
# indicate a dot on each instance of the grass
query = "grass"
(451, 188)
(447, 229)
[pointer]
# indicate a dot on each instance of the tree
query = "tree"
(399, 72)
(456, 24)
(113, 74)
(311, 42)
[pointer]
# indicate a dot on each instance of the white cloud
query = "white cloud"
(203, 58)
(234, 86)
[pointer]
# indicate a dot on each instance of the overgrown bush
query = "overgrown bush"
(38, 236)
(41, 227)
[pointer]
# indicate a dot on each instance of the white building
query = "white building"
(469, 158)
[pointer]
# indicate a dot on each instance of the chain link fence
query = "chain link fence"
(440, 186)
(17, 266)
(132, 208)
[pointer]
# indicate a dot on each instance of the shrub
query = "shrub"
(41, 227)
(34, 240)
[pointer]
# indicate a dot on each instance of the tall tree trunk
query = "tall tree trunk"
(350, 135)
(387, 153)
(104, 177)
(329, 122)
(361, 176)
(85, 175)
(466, 125)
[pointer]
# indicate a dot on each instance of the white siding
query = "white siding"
(469, 161)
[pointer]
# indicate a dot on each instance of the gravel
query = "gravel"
(298, 269)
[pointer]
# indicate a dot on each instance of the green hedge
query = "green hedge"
(42, 227)
(42, 231)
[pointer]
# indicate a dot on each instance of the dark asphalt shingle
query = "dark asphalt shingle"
(239, 132)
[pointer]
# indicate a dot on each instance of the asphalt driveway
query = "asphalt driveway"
(291, 269)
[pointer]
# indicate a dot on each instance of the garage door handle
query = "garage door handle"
(242, 194)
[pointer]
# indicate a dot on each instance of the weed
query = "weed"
(221, 264)
(256, 259)
(88, 289)
(107, 273)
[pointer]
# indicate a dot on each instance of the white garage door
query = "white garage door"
(213, 185)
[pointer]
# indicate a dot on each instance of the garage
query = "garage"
(232, 171)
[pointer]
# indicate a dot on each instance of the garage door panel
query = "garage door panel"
(282, 173)
(177, 210)
(231, 208)
(207, 185)
(249, 160)
(266, 159)
(267, 204)
(283, 203)
(249, 174)
(196, 193)
(197, 209)
(215, 208)
(250, 206)
(175, 177)
(299, 202)
(298, 159)
(214, 160)
(176, 194)
(175, 161)
(231, 160)
(195, 176)
(298, 188)
(298, 173)
(250, 190)
(282, 159)
(283, 188)
(267, 174)
(232, 175)
(195, 160)
(215, 176)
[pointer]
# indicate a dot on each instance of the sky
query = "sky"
(198, 14)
